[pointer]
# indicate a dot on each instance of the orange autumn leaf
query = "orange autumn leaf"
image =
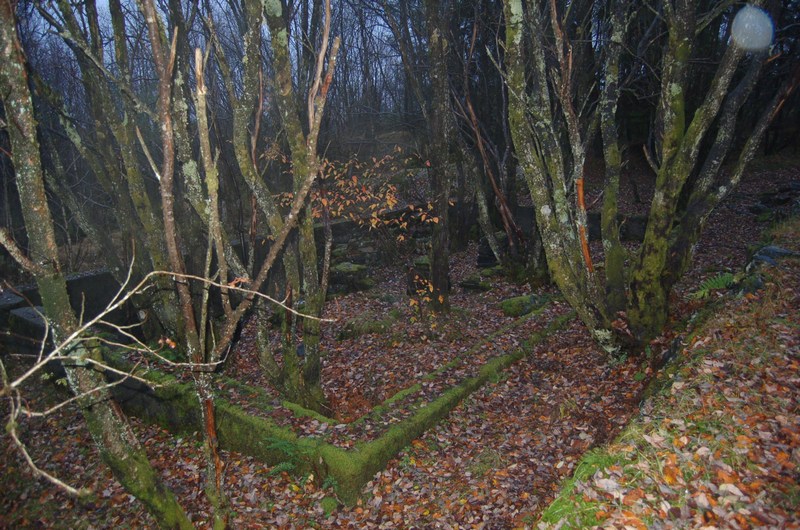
(633, 496)
(672, 474)
(680, 442)
(725, 477)
(633, 521)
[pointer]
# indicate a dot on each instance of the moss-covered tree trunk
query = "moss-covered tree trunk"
(712, 185)
(110, 146)
(247, 110)
(116, 442)
(554, 175)
(543, 82)
(440, 117)
(616, 297)
(648, 305)
(305, 166)
(679, 154)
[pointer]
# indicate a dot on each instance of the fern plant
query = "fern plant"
(294, 456)
(280, 468)
(724, 280)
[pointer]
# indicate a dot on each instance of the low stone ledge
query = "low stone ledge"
(174, 406)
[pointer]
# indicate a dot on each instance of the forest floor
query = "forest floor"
(717, 442)
(716, 445)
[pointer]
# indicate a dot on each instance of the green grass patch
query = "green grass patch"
(571, 507)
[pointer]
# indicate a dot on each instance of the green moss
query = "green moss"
(514, 22)
(476, 283)
(368, 322)
(175, 406)
(347, 470)
(522, 305)
(422, 263)
(574, 509)
(467, 355)
(349, 268)
(329, 505)
(365, 284)
(353, 472)
(492, 272)
(138, 478)
(352, 275)
(301, 412)
(259, 437)
(371, 457)
(387, 404)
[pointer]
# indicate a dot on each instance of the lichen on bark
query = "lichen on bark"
(112, 434)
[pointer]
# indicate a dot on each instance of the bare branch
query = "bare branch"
(315, 87)
(234, 287)
(11, 428)
(144, 349)
(149, 157)
(95, 390)
(7, 241)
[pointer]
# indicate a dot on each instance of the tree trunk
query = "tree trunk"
(439, 118)
(305, 165)
(534, 130)
(110, 147)
(194, 343)
(679, 154)
(614, 251)
(109, 429)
